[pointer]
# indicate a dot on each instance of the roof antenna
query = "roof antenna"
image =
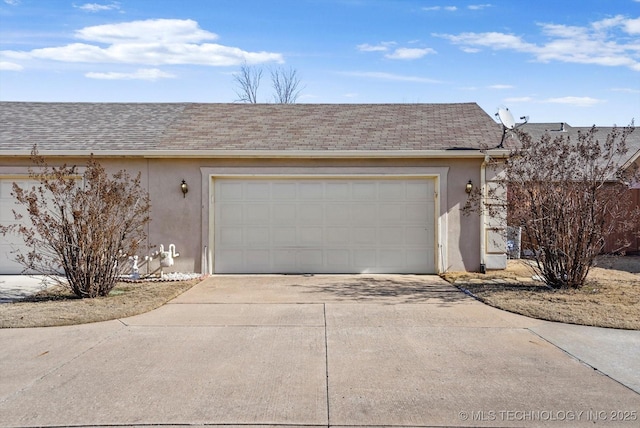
(508, 123)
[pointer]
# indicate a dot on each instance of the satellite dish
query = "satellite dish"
(506, 118)
(508, 122)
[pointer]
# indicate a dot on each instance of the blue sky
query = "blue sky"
(572, 61)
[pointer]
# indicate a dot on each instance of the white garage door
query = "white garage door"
(324, 226)
(11, 242)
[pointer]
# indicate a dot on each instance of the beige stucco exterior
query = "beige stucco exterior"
(187, 222)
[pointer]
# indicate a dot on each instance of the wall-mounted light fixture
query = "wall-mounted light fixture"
(184, 188)
(469, 187)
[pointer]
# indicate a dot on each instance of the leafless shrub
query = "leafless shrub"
(85, 228)
(567, 196)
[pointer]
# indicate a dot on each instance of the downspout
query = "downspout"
(483, 196)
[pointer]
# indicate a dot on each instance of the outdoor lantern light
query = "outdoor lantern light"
(184, 188)
(468, 188)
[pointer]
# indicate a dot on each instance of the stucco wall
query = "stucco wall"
(183, 220)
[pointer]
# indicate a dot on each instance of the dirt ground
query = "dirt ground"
(611, 297)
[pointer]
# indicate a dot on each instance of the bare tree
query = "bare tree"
(248, 82)
(86, 229)
(286, 85)
(567, 196)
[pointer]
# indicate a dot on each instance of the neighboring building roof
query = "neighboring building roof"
(537, 130)
(69, 127)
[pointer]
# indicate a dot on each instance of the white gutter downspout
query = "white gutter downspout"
(483, 196)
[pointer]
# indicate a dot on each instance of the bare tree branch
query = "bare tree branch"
(568, 196)
(247, 82)
(85, 229)
(286, 85)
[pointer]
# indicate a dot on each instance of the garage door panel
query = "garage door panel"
(324, 226)
(284, 236)
(231, 236)
(283, 191)
(338, 191)
(391, 258)
(284, 261)
(257, 259)
(338, 215)
(419, 191)
(363, 236)
(257, 191)
(311, 213)
(337, 258)
(365, 258)
(392, 191)
(257, 236)
(311, 191)
(416, 236)
(229, 192)
(310, 236)
(231, 214)
(337, 235)
(363, 214)
(364, 190)
(310, 259)
(391, 213)
(12, 244)
(417, 213)
(255, 214)
(283, 213)
(393, 236)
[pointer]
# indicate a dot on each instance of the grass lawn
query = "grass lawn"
(57, 306)
(611, 297)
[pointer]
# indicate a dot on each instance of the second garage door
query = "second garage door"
(324, 225)
(12, 243)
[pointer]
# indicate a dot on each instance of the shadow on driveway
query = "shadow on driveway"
(390, 290)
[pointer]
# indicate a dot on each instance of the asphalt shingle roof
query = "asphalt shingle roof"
(559, 129)
(186, 126)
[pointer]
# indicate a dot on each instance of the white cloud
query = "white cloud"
(492, 40)
(606, 42)
(141, 74)
(632, 26)
(380, 47)
(410, 53)
(574, 101)
(447, 8)
(479, 6)
(518, 100)
(10, 66)
(151, 42)
(388, 76)
(627, 90)
(501, 87)
(12, 2)
(164, 31)
(96, 7)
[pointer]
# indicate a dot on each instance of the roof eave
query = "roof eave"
(215, 154)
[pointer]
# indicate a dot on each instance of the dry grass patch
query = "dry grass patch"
(57, 306)
(611, 297)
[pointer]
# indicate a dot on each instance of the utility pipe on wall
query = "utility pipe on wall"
(483, 196)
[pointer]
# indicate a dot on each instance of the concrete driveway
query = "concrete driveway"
(321, 351)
